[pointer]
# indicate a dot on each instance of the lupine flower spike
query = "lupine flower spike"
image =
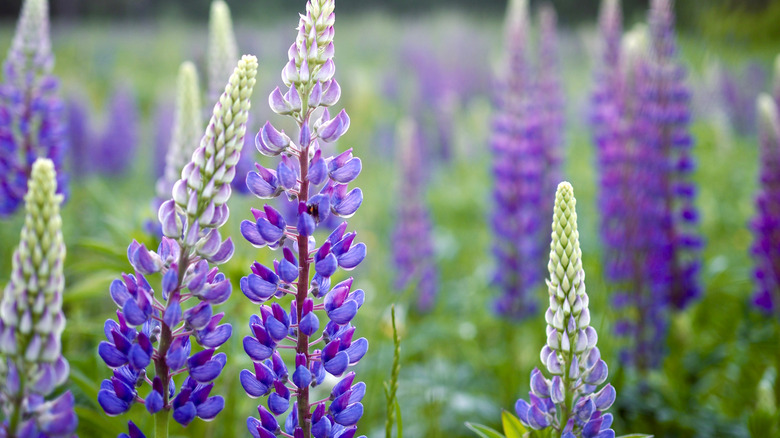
(413, 249)
(550, 97)
(32, 121)
(187, 129)
(116, 147)
(320, 186)
(31, 320)
(518, 164)
(569, 401)
(157, 328)
(766, 228)
(222, 49)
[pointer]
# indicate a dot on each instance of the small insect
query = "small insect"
(314, 210)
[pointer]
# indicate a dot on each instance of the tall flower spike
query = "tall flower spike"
(550, 97)
(413, 244)
(766, 228)
(222, 49)
(187, 128)
(320, 315)
(518, 165)
(31, 319)
(157, 328)
(117, 145)
(568, 401)
(32, 121)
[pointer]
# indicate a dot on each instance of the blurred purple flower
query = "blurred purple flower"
(117, 145)
(80, 136)
(413, 250)
(32, 119)
(519, 169)
(766, 223)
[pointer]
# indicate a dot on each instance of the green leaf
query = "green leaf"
(636, 435)
(513, 428)
(484, 431)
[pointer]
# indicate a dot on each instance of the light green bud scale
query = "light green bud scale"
(31, 308)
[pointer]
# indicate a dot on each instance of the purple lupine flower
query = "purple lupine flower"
(31, 320)
(608, 117)
(32, 121)
(246, 161)
(158, 328)
(321, 187)
(413, 251)
(518, 166)
(116, 147)
(79, 136)
(568, 401)
(550, 97)
(662, 130)
(641, 115)
(738, 92)
(766, 223)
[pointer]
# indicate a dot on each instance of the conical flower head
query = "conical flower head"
(611, 24)
(31, 310)
(565, 265)
(205, 185)
(222, 49)
(30, 53)
(310, 57)
(187, 128)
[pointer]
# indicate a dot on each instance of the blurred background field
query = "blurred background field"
(460, 362)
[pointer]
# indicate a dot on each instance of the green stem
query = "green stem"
(161, 424)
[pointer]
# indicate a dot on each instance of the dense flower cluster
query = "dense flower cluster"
(31, 320)
(413, 251)
(550, 98)
(519, 168)
(191, 243)
(116, 146)
(32, 121)
(300, 170)
(641, 115)
(766, 223)
(568, 402)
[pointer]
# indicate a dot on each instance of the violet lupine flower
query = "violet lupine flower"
(79, 136)
(413, 245)
(766, 224)
(32, 121)
(609, 117)
(550, 97)
(299, 172)
(190, 223)
(116, 146)
(662, 130)
(568, 402)
(31, 320)
(518, 166)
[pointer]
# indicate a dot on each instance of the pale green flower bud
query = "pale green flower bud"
(768, 118)
(31, 308)
(222, 51)
(205, 185)
(31, 40)
(187, 128)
